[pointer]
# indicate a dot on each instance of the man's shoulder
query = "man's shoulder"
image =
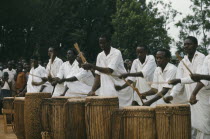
(171, 66)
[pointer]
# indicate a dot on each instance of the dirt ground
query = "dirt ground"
(10, 134)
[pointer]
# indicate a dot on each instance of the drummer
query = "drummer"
(68, 68)
(78, 83)
(200, 110)
(35, 83)
(109, 62)
(142, 71)
(163, 73)
(52, 68)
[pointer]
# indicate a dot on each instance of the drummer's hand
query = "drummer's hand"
(168, 99)
(143, 96)
(44, 79)
(87, 66)
(60, 80)
(91, 93)
(147, 103)
(54, 83)
(125, 75)
(195, 77)
(174, 81)
(117, 87)
(63, 94)
(193, 99)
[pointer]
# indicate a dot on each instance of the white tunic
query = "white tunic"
(41, 72)
(147, 68)
(52, 69)
(11, 74)
(83, 85)
(113, 61)
(200, 111)
(166, 75)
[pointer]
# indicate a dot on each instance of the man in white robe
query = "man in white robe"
(163, 73)
(80, 83)
(10, 71)
(194, 61)
(109, 64)
(35, 83)
(142, 72)
(68, 68)
(52, 68)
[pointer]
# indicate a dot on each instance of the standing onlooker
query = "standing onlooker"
(20, 79)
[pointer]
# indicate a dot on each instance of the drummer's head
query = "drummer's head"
(190, 45)
(104, 42)
(163, 56)
(71, 55)
(141, 52)
(34, 61)
(52, 51)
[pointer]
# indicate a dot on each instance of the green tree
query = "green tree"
(196, 24)
(137, 23)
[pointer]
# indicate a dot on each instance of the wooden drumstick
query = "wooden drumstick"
(180, 59)
(76, 46)
(135, 89)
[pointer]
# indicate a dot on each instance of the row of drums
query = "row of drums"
(39, 116)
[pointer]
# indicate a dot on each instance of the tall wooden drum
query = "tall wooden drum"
(32, 110)
(53, 117)
(173, 121)
(138, 122)
(8, 105)
(116, 123)
(98, 112)
(19, 117)
(75, 119)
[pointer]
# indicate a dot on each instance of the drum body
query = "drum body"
(138, 122)
(116, 123)
(19, 117)
(98, 112)
(75, 119)
(53, 117)
(8, 105)
(32, 110)
(173, 121)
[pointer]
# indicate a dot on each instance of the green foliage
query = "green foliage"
(196, 24)
(32, 26)
(136, 23)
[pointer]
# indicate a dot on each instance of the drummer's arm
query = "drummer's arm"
(118, 88)
(71, 79)
(157, 96)
(96, 85)
(151, 92)
(88, 66)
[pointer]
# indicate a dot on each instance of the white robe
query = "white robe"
(83, 85)
(52, 69)
(200, 112)
(41, 72)
(11, 74)
(147, 68)
(166, 75)
(113, 61)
